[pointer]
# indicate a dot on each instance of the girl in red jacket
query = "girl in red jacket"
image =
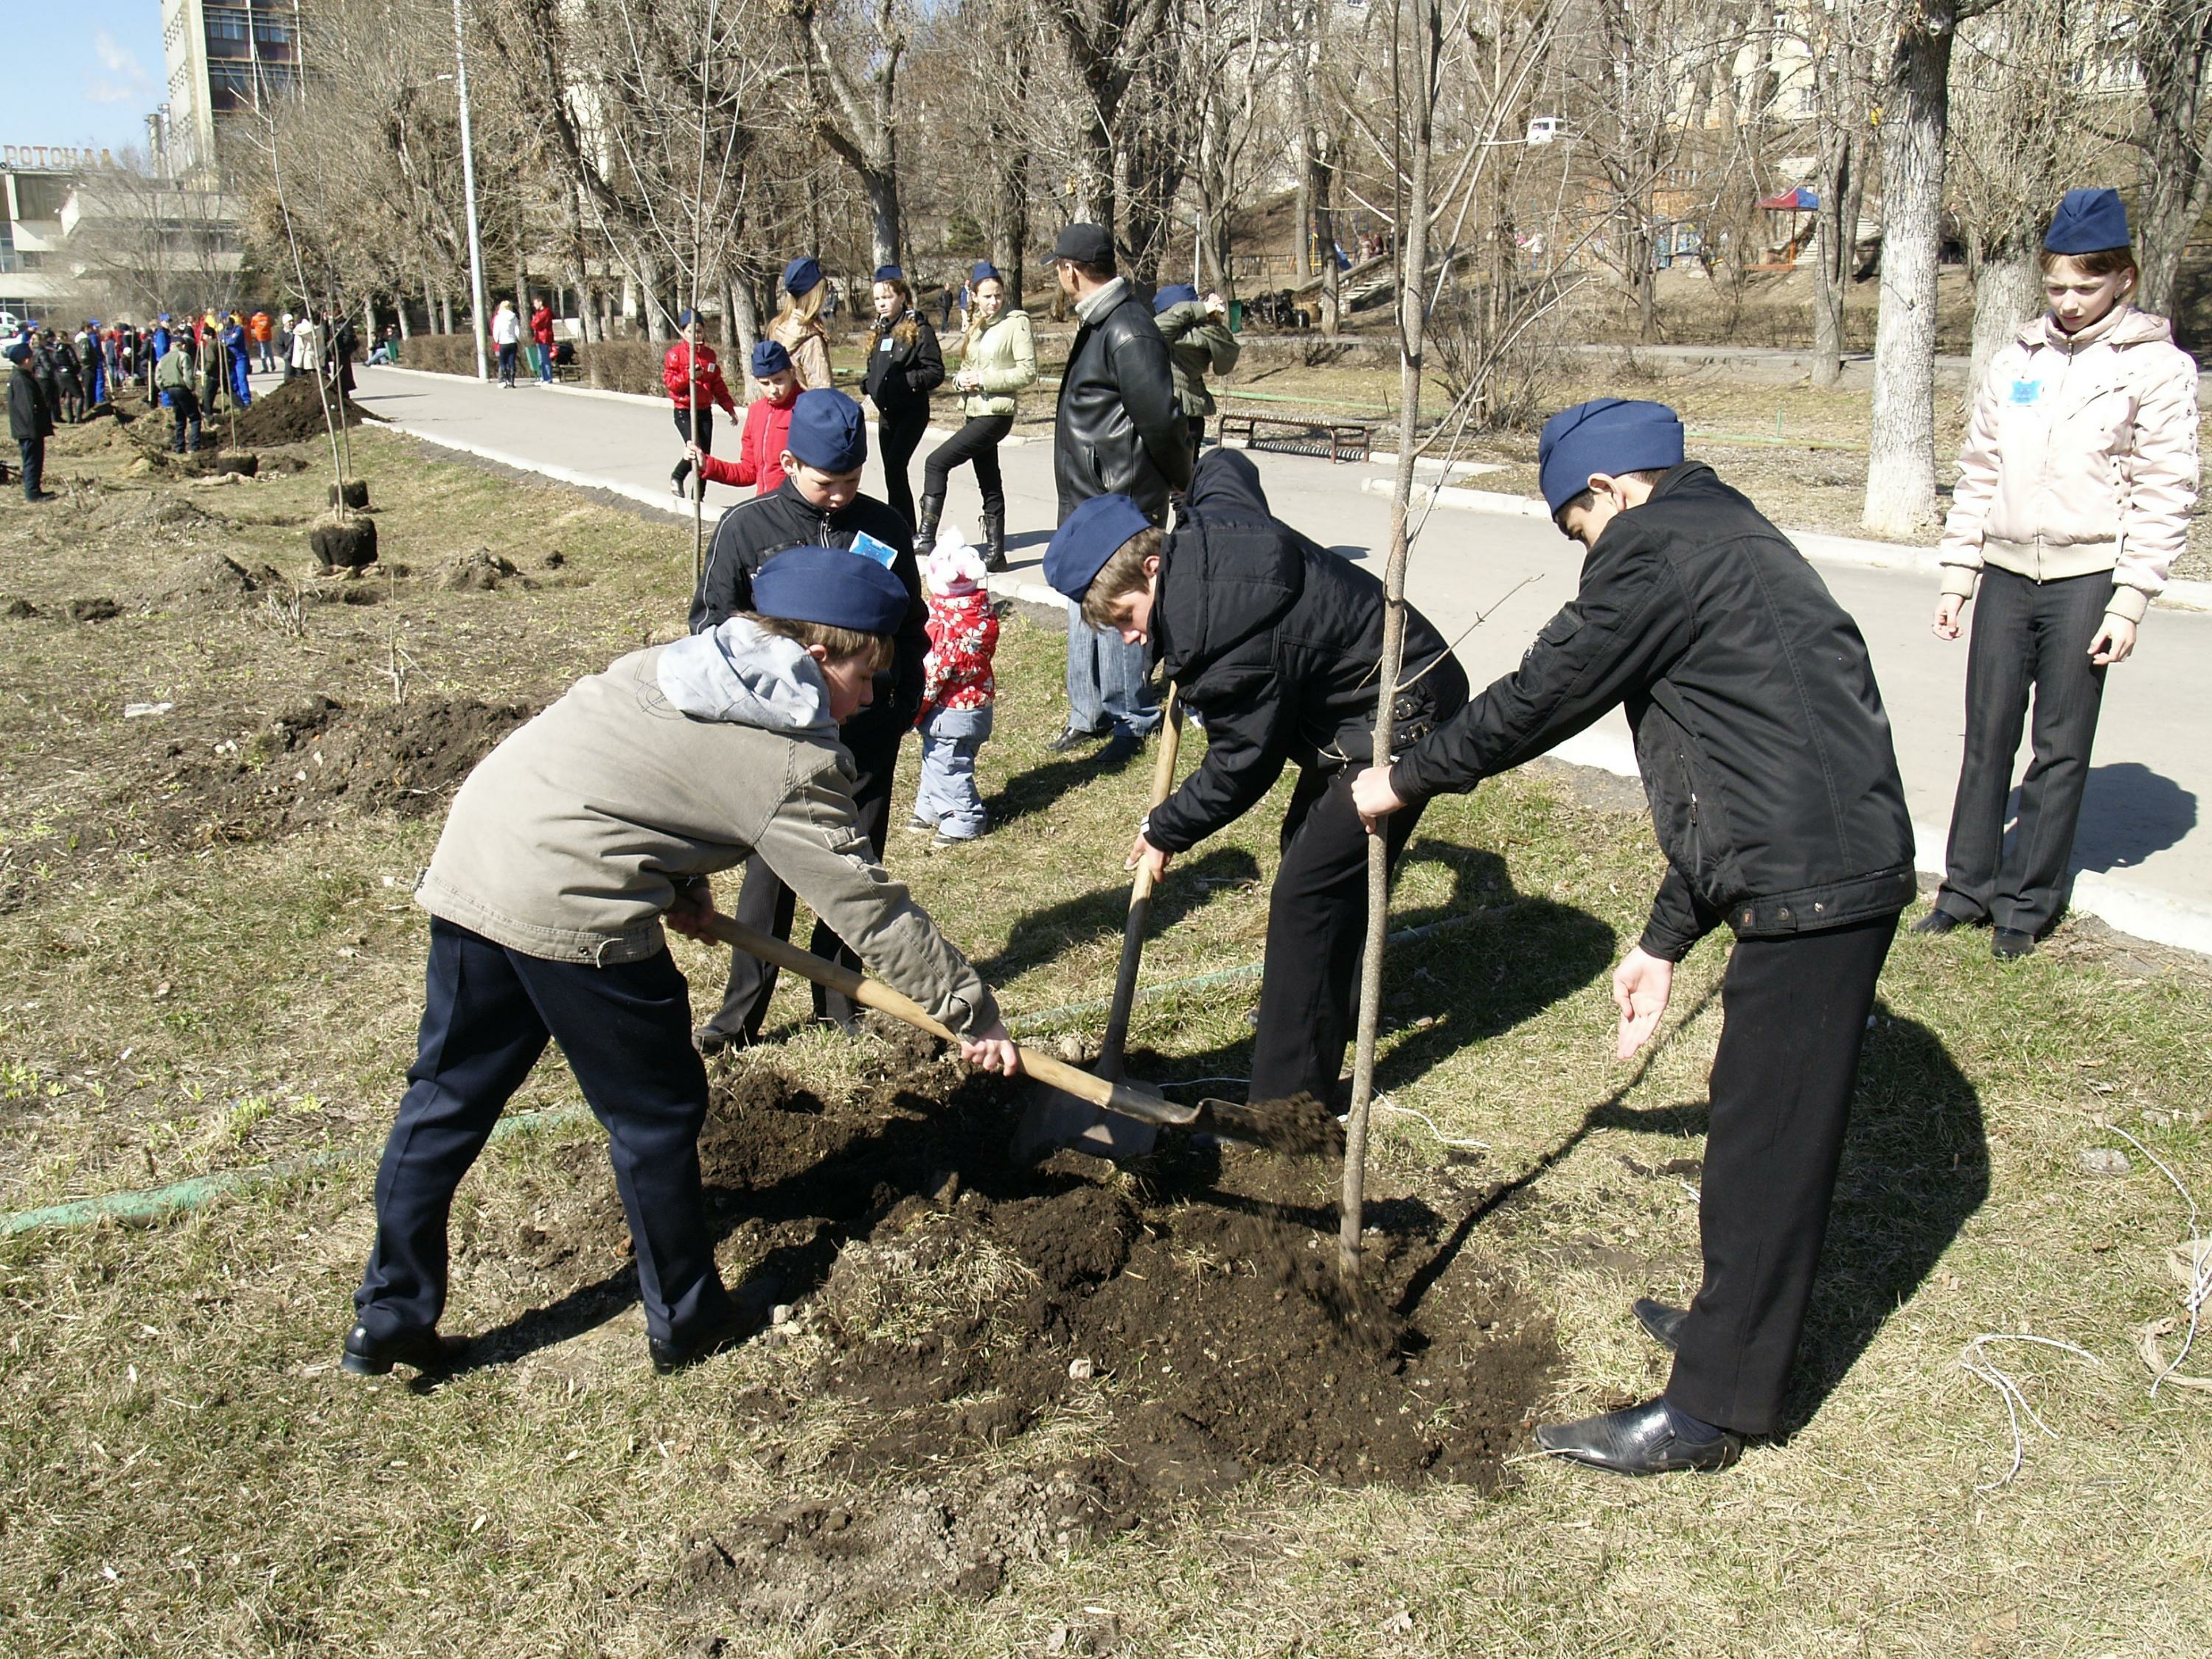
(957, 693)
(694, 379)
(768, 426)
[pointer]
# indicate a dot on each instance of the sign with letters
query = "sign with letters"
(56, 158)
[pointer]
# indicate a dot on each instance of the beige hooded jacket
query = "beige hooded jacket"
(569, 841)
(2081, 456)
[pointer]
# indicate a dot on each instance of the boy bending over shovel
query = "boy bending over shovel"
(1275, 642)
(567, 849)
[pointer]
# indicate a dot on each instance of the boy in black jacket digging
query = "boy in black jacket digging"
(1766, 758)
(1274, 642)
(819, 504)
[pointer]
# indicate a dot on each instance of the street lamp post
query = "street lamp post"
(469, 183)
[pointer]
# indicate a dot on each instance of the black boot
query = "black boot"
(995, 541)
(925, 532)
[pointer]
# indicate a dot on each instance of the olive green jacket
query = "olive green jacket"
(1005, 356)
(1197, 346)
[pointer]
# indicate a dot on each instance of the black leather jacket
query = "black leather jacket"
(1277, 643)
(1120, 427)
(1759, 730)
(902, 377)
(754, 531)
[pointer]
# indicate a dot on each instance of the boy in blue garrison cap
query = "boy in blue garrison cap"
(1766, 758)
(567, 852)
(819, 504)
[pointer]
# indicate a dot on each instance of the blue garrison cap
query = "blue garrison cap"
(2087, 221)
(770, 358)
(889, 274)
(1610, 436)
(1174, 294)
(985, 271)
(832, 585)
(1090, 537)
(686, 317)
(19, 353)
(802, 275)
(827, 432)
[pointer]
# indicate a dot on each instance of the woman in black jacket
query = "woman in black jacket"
(904, 367)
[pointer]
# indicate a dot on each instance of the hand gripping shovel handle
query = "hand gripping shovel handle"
(872, 993)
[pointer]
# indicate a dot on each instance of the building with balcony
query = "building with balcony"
(226, 59)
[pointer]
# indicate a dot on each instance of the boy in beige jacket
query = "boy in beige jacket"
(566, 851)
(2074, 495)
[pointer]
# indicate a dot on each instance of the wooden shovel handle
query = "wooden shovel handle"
(1164, 770)
(873, 994)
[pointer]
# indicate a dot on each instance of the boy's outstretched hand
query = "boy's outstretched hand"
(1640, 988)
(992, 1050)
(1373, 798)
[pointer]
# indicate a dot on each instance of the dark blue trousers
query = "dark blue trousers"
(626, 1031)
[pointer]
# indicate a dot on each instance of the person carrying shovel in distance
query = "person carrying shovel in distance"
(1774, 789)
(567, 851)
(818, 504)
(1275, 642)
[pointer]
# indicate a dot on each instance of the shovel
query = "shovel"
(1064, 1118)
(1299, 1125)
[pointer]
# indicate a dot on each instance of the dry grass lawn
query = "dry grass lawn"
(199, 977)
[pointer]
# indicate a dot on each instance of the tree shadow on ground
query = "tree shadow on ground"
(1043, 936)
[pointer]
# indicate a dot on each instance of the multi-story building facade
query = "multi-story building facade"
(226, 59)
(35, 182)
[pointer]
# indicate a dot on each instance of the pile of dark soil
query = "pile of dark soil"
(318, 761)
(1026, 1359)
(151, 514)
(292, 414)
(480, 572)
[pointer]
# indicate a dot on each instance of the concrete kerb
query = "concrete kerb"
(1813, 544)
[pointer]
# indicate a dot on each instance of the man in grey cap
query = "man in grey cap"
(1119, 430)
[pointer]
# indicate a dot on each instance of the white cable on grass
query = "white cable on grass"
(1976, 1362)
(2201, 1284)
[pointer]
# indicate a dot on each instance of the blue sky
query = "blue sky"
(88, 72)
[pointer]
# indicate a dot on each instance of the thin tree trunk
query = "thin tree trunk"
(2174, 181)
(1900, 496)
(1412, 292)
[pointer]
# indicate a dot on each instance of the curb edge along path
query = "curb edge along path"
(2157, 917)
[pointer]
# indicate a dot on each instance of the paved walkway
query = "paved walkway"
(2144, 853)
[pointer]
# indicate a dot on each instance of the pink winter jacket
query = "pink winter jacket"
(2081, 456)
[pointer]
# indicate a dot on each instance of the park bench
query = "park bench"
(1340, 439)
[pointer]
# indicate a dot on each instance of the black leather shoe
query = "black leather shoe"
(1639, 1440)
(1120, 749)
(2010, 944)
(745, 1314)
(1661, 1324)
(1938, 922)
(374, 1356)
(1073, 738)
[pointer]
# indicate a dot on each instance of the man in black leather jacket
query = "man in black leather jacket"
(1774, 789)
(1119, 430)
(819, 503)
(1275, 641)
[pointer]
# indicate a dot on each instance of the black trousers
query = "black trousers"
(977, 442)
(764, 903)
(184, 412)
(706, 439)
(1197, 435)
(1794, 1012)
(2028, 637)
(1316, 933)
(898, 436)
(626, 1031)
(34, 452)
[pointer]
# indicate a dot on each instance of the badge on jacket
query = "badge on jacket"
(886, 345)
(869, 548)
(2026, 392)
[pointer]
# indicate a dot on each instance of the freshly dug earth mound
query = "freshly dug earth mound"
(210, 580)
(480, 572)
(155, 513)
(318, 760)
(1011, 1362)
(292, 414)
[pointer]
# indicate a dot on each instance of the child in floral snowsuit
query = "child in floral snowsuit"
(958, 691)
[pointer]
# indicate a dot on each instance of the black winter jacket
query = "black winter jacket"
(1277, 643)
(30, 416)
(1759, 730)
(1120, 427)
(754, 531)
(902, 377)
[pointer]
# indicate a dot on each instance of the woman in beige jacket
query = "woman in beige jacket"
(567, 851)
(2074, 495)
(998, 361)
(797, 324)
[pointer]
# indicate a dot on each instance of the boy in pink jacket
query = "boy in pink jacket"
(2074, 495)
